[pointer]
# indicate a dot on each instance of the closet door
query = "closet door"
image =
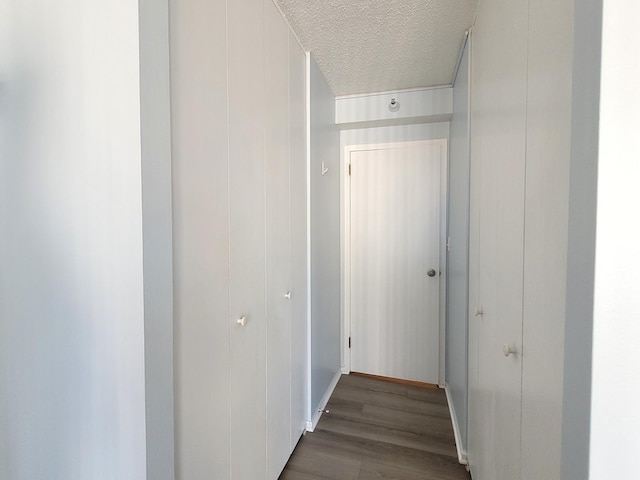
(498, 113)
(278, 248)
(247, 240)
(298, 207)
(200, 239)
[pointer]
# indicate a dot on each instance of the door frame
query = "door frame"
(345, 243)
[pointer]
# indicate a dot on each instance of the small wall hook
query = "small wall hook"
(324, 169)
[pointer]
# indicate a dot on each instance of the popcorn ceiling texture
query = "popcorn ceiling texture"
(366, 46)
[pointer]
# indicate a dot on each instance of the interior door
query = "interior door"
(395, 270)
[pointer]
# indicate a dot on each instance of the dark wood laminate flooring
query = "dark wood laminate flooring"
(379, 430)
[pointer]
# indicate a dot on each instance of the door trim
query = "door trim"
(345, 244)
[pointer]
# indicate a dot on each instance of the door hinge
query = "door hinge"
(448, 244)
(349, 342)
(349, 169)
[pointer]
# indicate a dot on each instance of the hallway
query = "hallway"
(377, 429)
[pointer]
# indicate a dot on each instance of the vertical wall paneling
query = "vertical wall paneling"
(325, 238)
(278, 239)
(458, 255)
(201, 238)
(298, 211)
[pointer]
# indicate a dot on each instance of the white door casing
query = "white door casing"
(394, 238)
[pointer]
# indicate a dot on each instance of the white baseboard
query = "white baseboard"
(311, 425)
(462, 453)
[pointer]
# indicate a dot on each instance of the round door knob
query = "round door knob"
(508, 350)
(242, 321)
(431, 272)
(479, 312)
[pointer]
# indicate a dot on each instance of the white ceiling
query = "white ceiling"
(366, 46)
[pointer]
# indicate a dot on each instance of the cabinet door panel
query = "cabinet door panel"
(247, 240)
(278, 250)
(200, 239)
(498, 128)
(298, 208)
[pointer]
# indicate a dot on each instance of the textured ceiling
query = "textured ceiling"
(366, 46)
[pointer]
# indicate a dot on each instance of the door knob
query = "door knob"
(508, 350)
(479, 312)
(431, 272)
(287, 295)
(242, 321)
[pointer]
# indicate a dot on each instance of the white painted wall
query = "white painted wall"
(576, 411)
(325, 239)
(548, 153)
(155, 133)
(615, 392)
(456, 347)
(415, 106)
(72, 356)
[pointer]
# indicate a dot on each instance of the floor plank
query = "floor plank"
(377, 429)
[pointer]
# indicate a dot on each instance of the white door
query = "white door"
(498, 145)
(247, 302)
(395, 268)
(278, 249)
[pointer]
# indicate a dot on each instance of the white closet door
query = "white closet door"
(298, 206)
(498, 112)
(278, 248)
(247, 239)
(200, 239)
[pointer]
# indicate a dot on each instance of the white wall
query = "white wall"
(458, 255)
(72, 359)
(548, 153)
(325, 238)
(390, 134)
(615, 391)
(576, 414)
(155, 133)
(413, 106)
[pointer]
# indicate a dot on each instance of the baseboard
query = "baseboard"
(462, 453)
(311, 425)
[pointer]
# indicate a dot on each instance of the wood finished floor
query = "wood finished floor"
(379, 430)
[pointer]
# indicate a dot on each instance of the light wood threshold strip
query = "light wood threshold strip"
(413, 383)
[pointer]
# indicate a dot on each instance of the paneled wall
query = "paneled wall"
(458, 255)
(240, 226)
(520, 149)
(325, 240)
